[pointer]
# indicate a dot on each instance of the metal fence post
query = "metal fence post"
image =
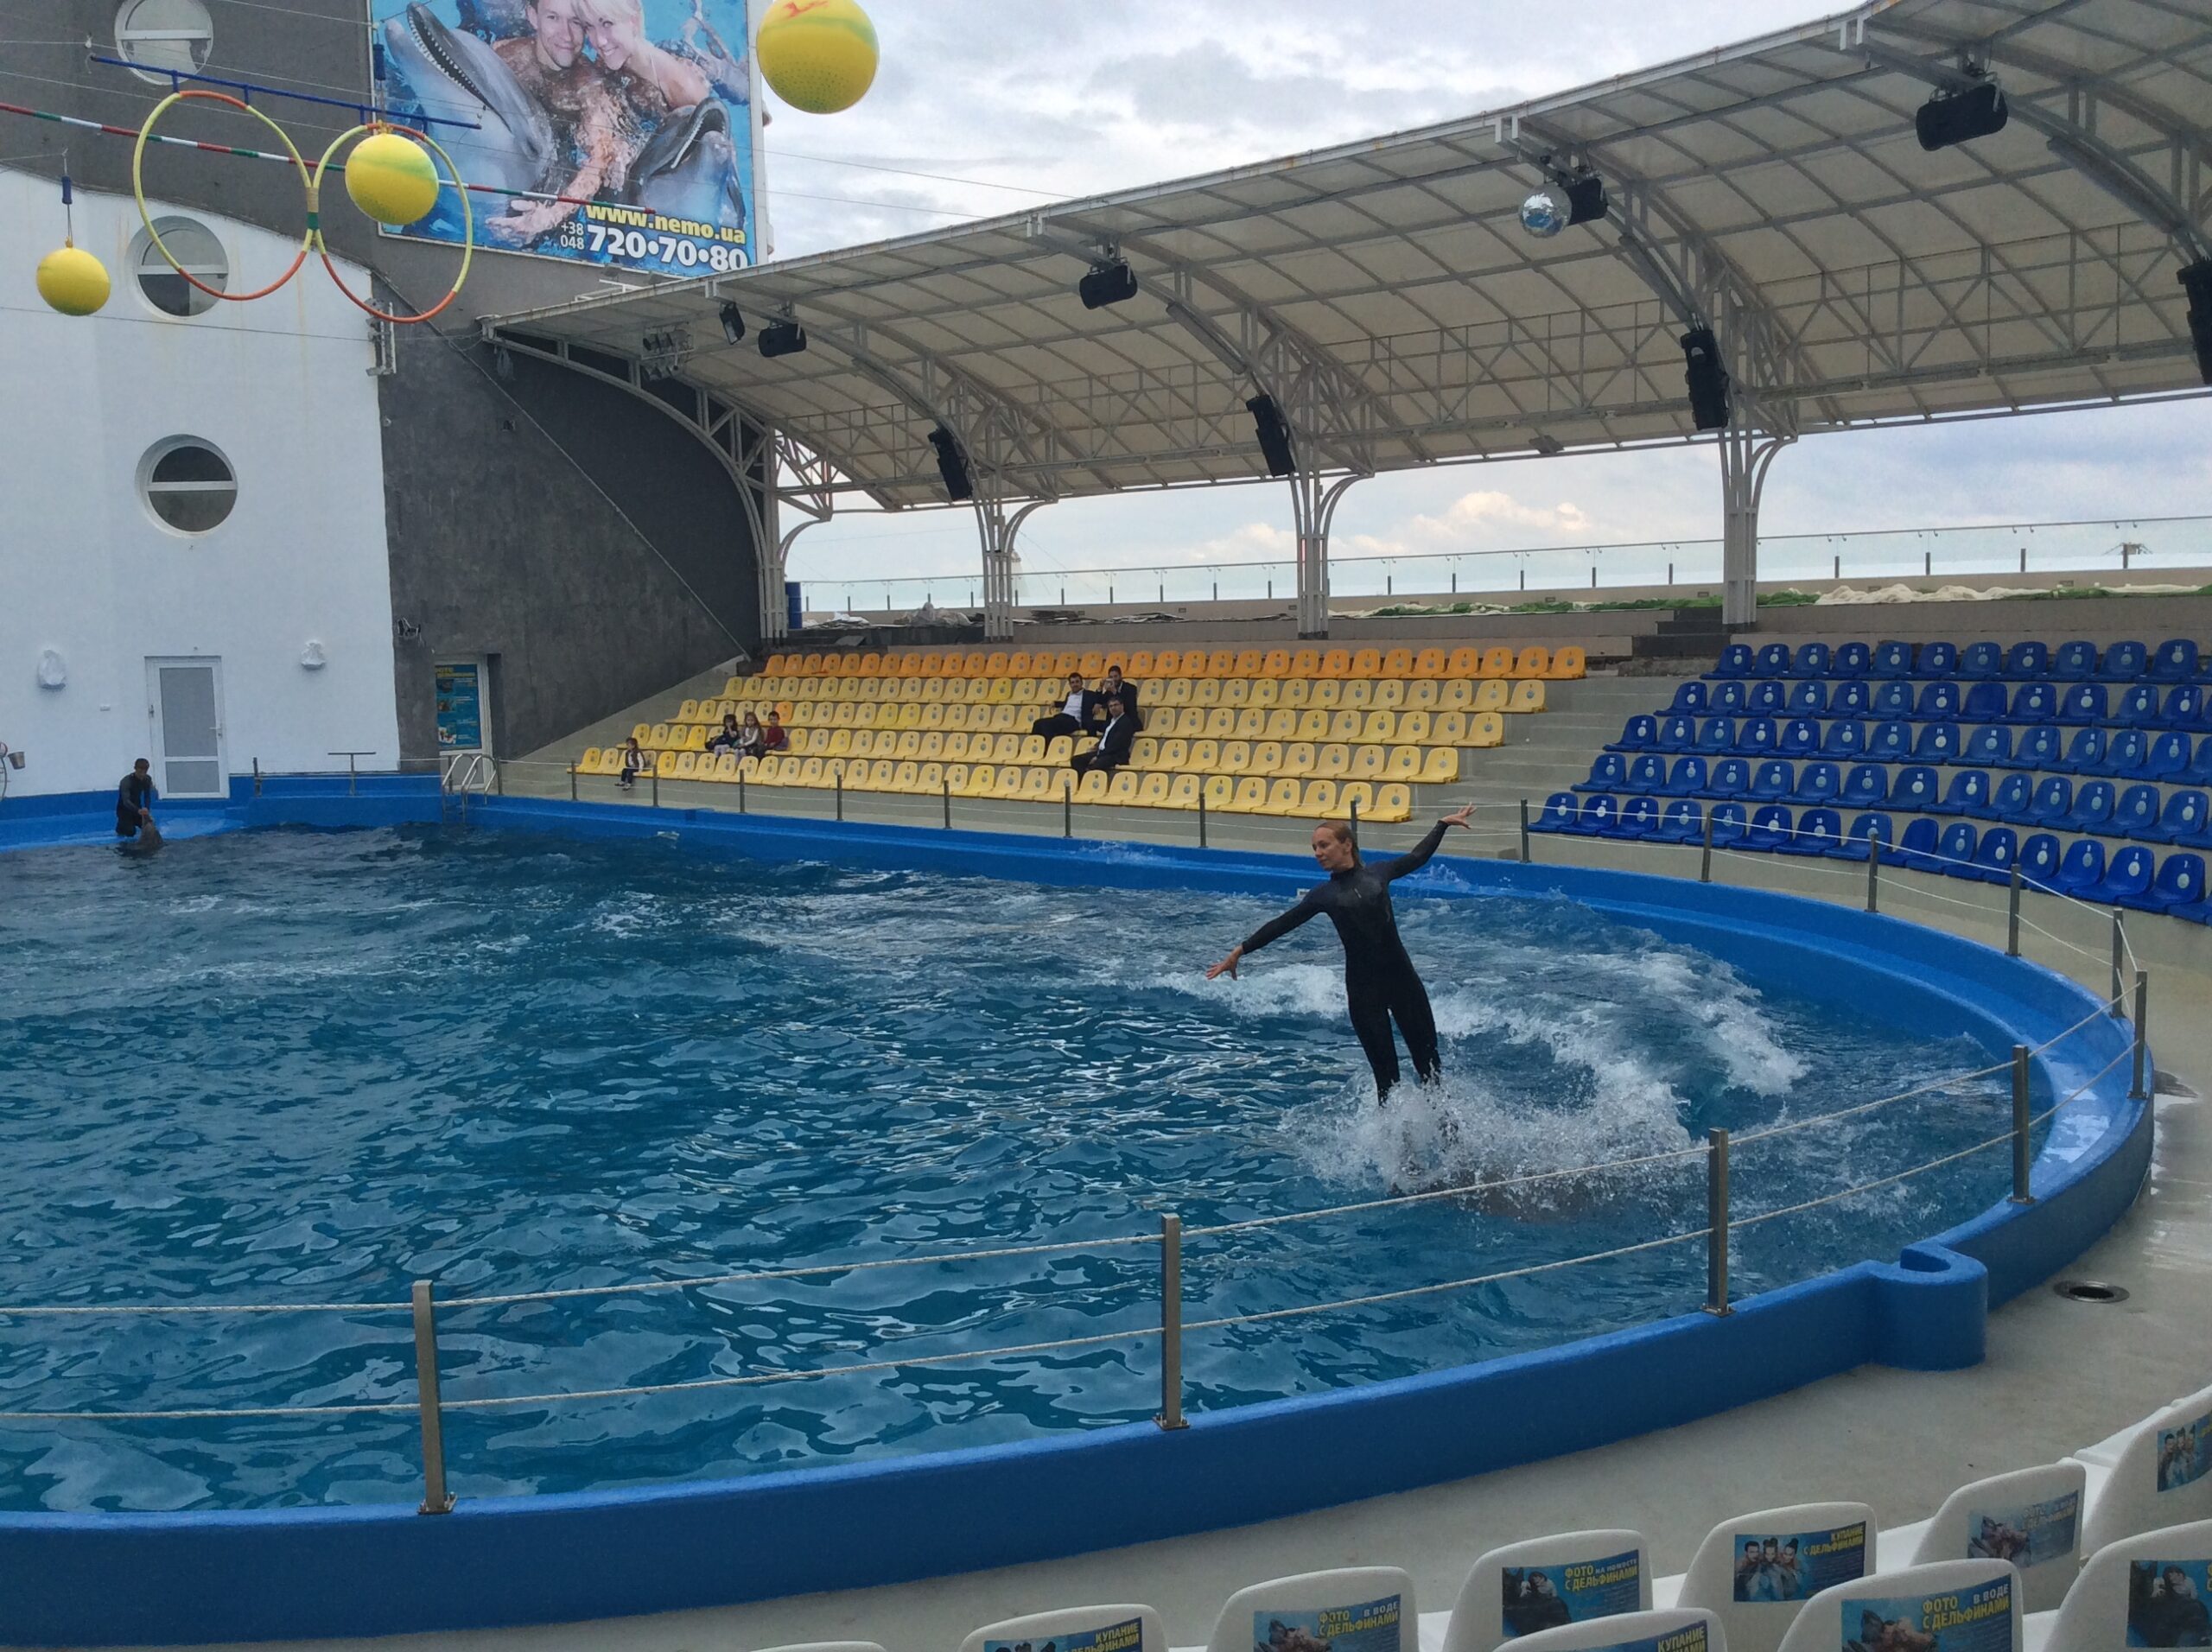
(437, 1500)
(1352, 815)
(1067, 808)
(1526, 859)
(2020, 1194)
(256, 776)
(1171, 1324)
(1874, 875)
(1704, 858)
(2119, 990)
(841, 794)
(572, 783)
(1716, 1221)
(656, 785)
(740, 788)
(2013, 916)
(1202, 816)
(947, 784)
(2141, 1091)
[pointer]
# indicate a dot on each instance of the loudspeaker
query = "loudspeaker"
(1107, 283)
(782, 338)
(732, 325)
(1585, 198)
(1274, 435)
(2196, 282)
(1706, 379)
(958, 484)
(1976, 113)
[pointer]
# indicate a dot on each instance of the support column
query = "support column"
(1745, 452)
(773, 549)
(1314, 500)
(996, 527)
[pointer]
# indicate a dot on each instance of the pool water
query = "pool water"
(293, 1067)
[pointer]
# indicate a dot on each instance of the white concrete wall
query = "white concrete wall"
(281, 387)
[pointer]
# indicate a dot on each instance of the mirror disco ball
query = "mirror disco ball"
(1543, 215)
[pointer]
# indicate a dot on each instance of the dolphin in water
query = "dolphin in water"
(453, 71)
(687, 168)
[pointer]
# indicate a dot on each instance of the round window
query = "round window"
(162, 36)
(187, 484)
(195, 249)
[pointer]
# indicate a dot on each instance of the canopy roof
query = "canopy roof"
(1386, 295)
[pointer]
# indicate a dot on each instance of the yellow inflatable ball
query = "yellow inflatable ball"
(72, 281)
(819, 55)
(390, 179)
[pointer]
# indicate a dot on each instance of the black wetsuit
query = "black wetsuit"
(137, 792)
(1380, 982)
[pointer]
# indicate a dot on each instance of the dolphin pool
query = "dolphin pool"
(282, 1068)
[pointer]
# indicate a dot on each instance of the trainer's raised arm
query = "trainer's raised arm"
(1414, 859)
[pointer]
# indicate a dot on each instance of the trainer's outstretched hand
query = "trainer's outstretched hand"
(1228, 965)
(1463, 818)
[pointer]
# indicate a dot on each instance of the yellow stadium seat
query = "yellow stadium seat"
(1177, 691)
(1266, 694)
(1422, 694)
(1390, 694)
(1398, 662)
(1413, 727)
(1528, 695)
(1281, 724)
(1009, 719)
(1283, 798)
(689, 712)
(1448, 728)
(814, 773)
(1333, 761)
(956, 746)
(810, 665)
(1058, 749)
(882, 776)
(588, 763)
(1266, 758)
(1009, 781)
(1320, 798)
(1336, 662)
(1037, 784)
(658, 737)
(1430, 663)
(1458, 695)
(1018, 664)
(1205, 691)
(907, 776)
(1298, 758)
(1356, 794)
(1183, 793)
(1533, 662)
(956, 779)
(1251, 723)
(1005, 748)
(1379, 728)
(695, 738)
(1090, 665)
(1304, 663)
(1221, 723)
(1093, 789)
(1312, 725)
(1206, 756)
(1394, 803)
(1235, 757)
(1250, 797)
(1236, 691)
(1029, 749)
(1486, 728)
(1344, 727)
(1366, 662)
(1122, 790)
(1402, 763)
(1000, 691)
(1168, 662)
(955, 717)
(1174, 755)
(1220, 662)
(1567, 663)
(768, 771)
(1274, 663)
(982, 780)
(909, 716)
(909, 744)
(1491, 694)
(863, 743)
(841, 742)
(725, 767)
(1141, 666)
(1439, 766)
(1497, 661)
(1367, 762)
(1250, 662)
(1152, 788)
(931, 748)
(1218, 789)
(1354, 694)
(1144, 751)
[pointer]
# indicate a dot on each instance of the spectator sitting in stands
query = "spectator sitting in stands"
(747, 743)
(1114, 742)
(1112, 686)
(636, 760)
(725, 738)
(1074, 714)
(773, 737)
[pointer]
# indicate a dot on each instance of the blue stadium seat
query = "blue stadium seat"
(2180, 882)
(1819, 831)
(2183, 820)
(1774, 660)
(2127, 878)
(1851, 698)
(2074, 662)
(2039, 747)
(1914, 790)
(1893, 659)
(1647, 773)
(1728, 699)
(1852, 660)
(2033, 703)
(1818, 783)
(2175, 661)
(1595, 817)
(1893, 699)
(1684, 823)
(1558, 814)
(1772, 827)
(1730, 778)
(1939, 742)
(1801, 737)
(2200, 770)
(1813, 660)
(2127, 751)
(1968, 794)
(2185, 707)
(2124, 663)
(1938, 702)
(2139, 707)
(1866, 786)
(1774, 781)
(1954, 849)
(1809, 699)
(1638, 734)
(1867, 830)
(1758, 737)
(1676, 734)
(1936, 659)
(1729, 824)
(1639, 818)
(1690, 696)
(2092, 806)
(1990, 745)
(1987, 701)
(2136, 813)
(1890, 742)
(1685, 779)
(2054, 802)
(1915, 850)
(1844, 739)
(1608, 772)
(1735, 661)
(1993, 856)
(1980, 661)
(1768, 699)
(1716, 736)
(2039, 857)
(2009, 800)
(2085, 753)
(2168, 759)
(2028, 660)
(2084, 702)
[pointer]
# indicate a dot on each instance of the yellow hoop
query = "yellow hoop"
(314, 218)
(139, 191)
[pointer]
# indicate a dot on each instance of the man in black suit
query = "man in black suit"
(1074, 716)
(1112, 686)
(1114, 743)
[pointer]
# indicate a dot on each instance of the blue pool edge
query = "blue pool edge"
(509, 1561)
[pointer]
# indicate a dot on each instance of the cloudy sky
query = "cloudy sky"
(1016, 103)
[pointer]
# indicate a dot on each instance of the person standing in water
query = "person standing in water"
(134, 805)
(1380, 980)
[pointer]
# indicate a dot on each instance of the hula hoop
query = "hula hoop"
(315, 220)
(139, 193)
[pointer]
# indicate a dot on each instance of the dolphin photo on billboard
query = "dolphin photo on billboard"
(622, 129)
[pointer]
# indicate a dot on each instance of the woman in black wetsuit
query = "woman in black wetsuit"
(1380, 980)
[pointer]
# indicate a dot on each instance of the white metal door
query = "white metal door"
(183, 698)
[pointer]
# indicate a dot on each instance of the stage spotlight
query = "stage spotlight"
(2196, 282)
(1585, 198)
(1706, 379)
(1107, 283)
(1954, 118)
(1274, 435)
(782, 338)
(732, 325)
(958, 484)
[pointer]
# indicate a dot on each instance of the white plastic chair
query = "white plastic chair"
(1676, 1630)
(2041, 1505)
(1478, 1622)
(1833, 1619)
(1069, 1622)
(1246, 1621)
(2094, 1616)
(1759, 1625)
(2125, 1497)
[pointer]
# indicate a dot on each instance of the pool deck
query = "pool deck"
(2059, 1376)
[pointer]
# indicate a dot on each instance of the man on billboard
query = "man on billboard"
(549, 66)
